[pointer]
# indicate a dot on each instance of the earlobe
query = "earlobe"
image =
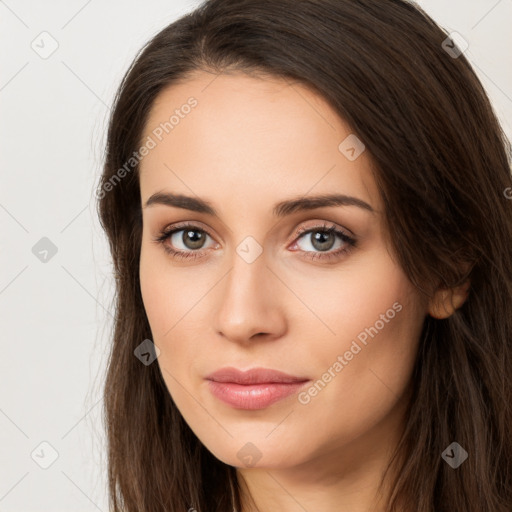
(447, 300)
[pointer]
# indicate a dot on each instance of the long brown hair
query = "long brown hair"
(442, 164)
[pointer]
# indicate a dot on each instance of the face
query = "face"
(255, 270)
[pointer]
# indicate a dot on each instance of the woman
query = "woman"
(308, 210)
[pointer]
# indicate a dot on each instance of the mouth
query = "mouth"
(254, 389)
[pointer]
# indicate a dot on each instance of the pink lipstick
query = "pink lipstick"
(253, 389)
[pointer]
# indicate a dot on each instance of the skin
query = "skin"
(249, 144)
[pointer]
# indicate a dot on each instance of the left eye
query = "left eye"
(321, 240)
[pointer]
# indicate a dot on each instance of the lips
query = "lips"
(257, 388)
(253, 376)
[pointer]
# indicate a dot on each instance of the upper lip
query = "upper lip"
(253, 376)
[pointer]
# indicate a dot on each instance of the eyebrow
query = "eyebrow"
(281, 209)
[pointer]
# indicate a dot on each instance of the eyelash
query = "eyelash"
(191, 254)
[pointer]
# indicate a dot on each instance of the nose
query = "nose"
(249, 303)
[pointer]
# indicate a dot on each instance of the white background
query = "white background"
(55, 316)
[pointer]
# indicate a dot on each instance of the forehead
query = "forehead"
(252, 138)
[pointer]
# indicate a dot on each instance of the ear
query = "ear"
(446, 300)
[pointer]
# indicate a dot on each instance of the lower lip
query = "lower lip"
(253, 396)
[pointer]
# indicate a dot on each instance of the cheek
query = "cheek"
(371, 318)
(344, 303)
(168, 294)
(171, 300)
